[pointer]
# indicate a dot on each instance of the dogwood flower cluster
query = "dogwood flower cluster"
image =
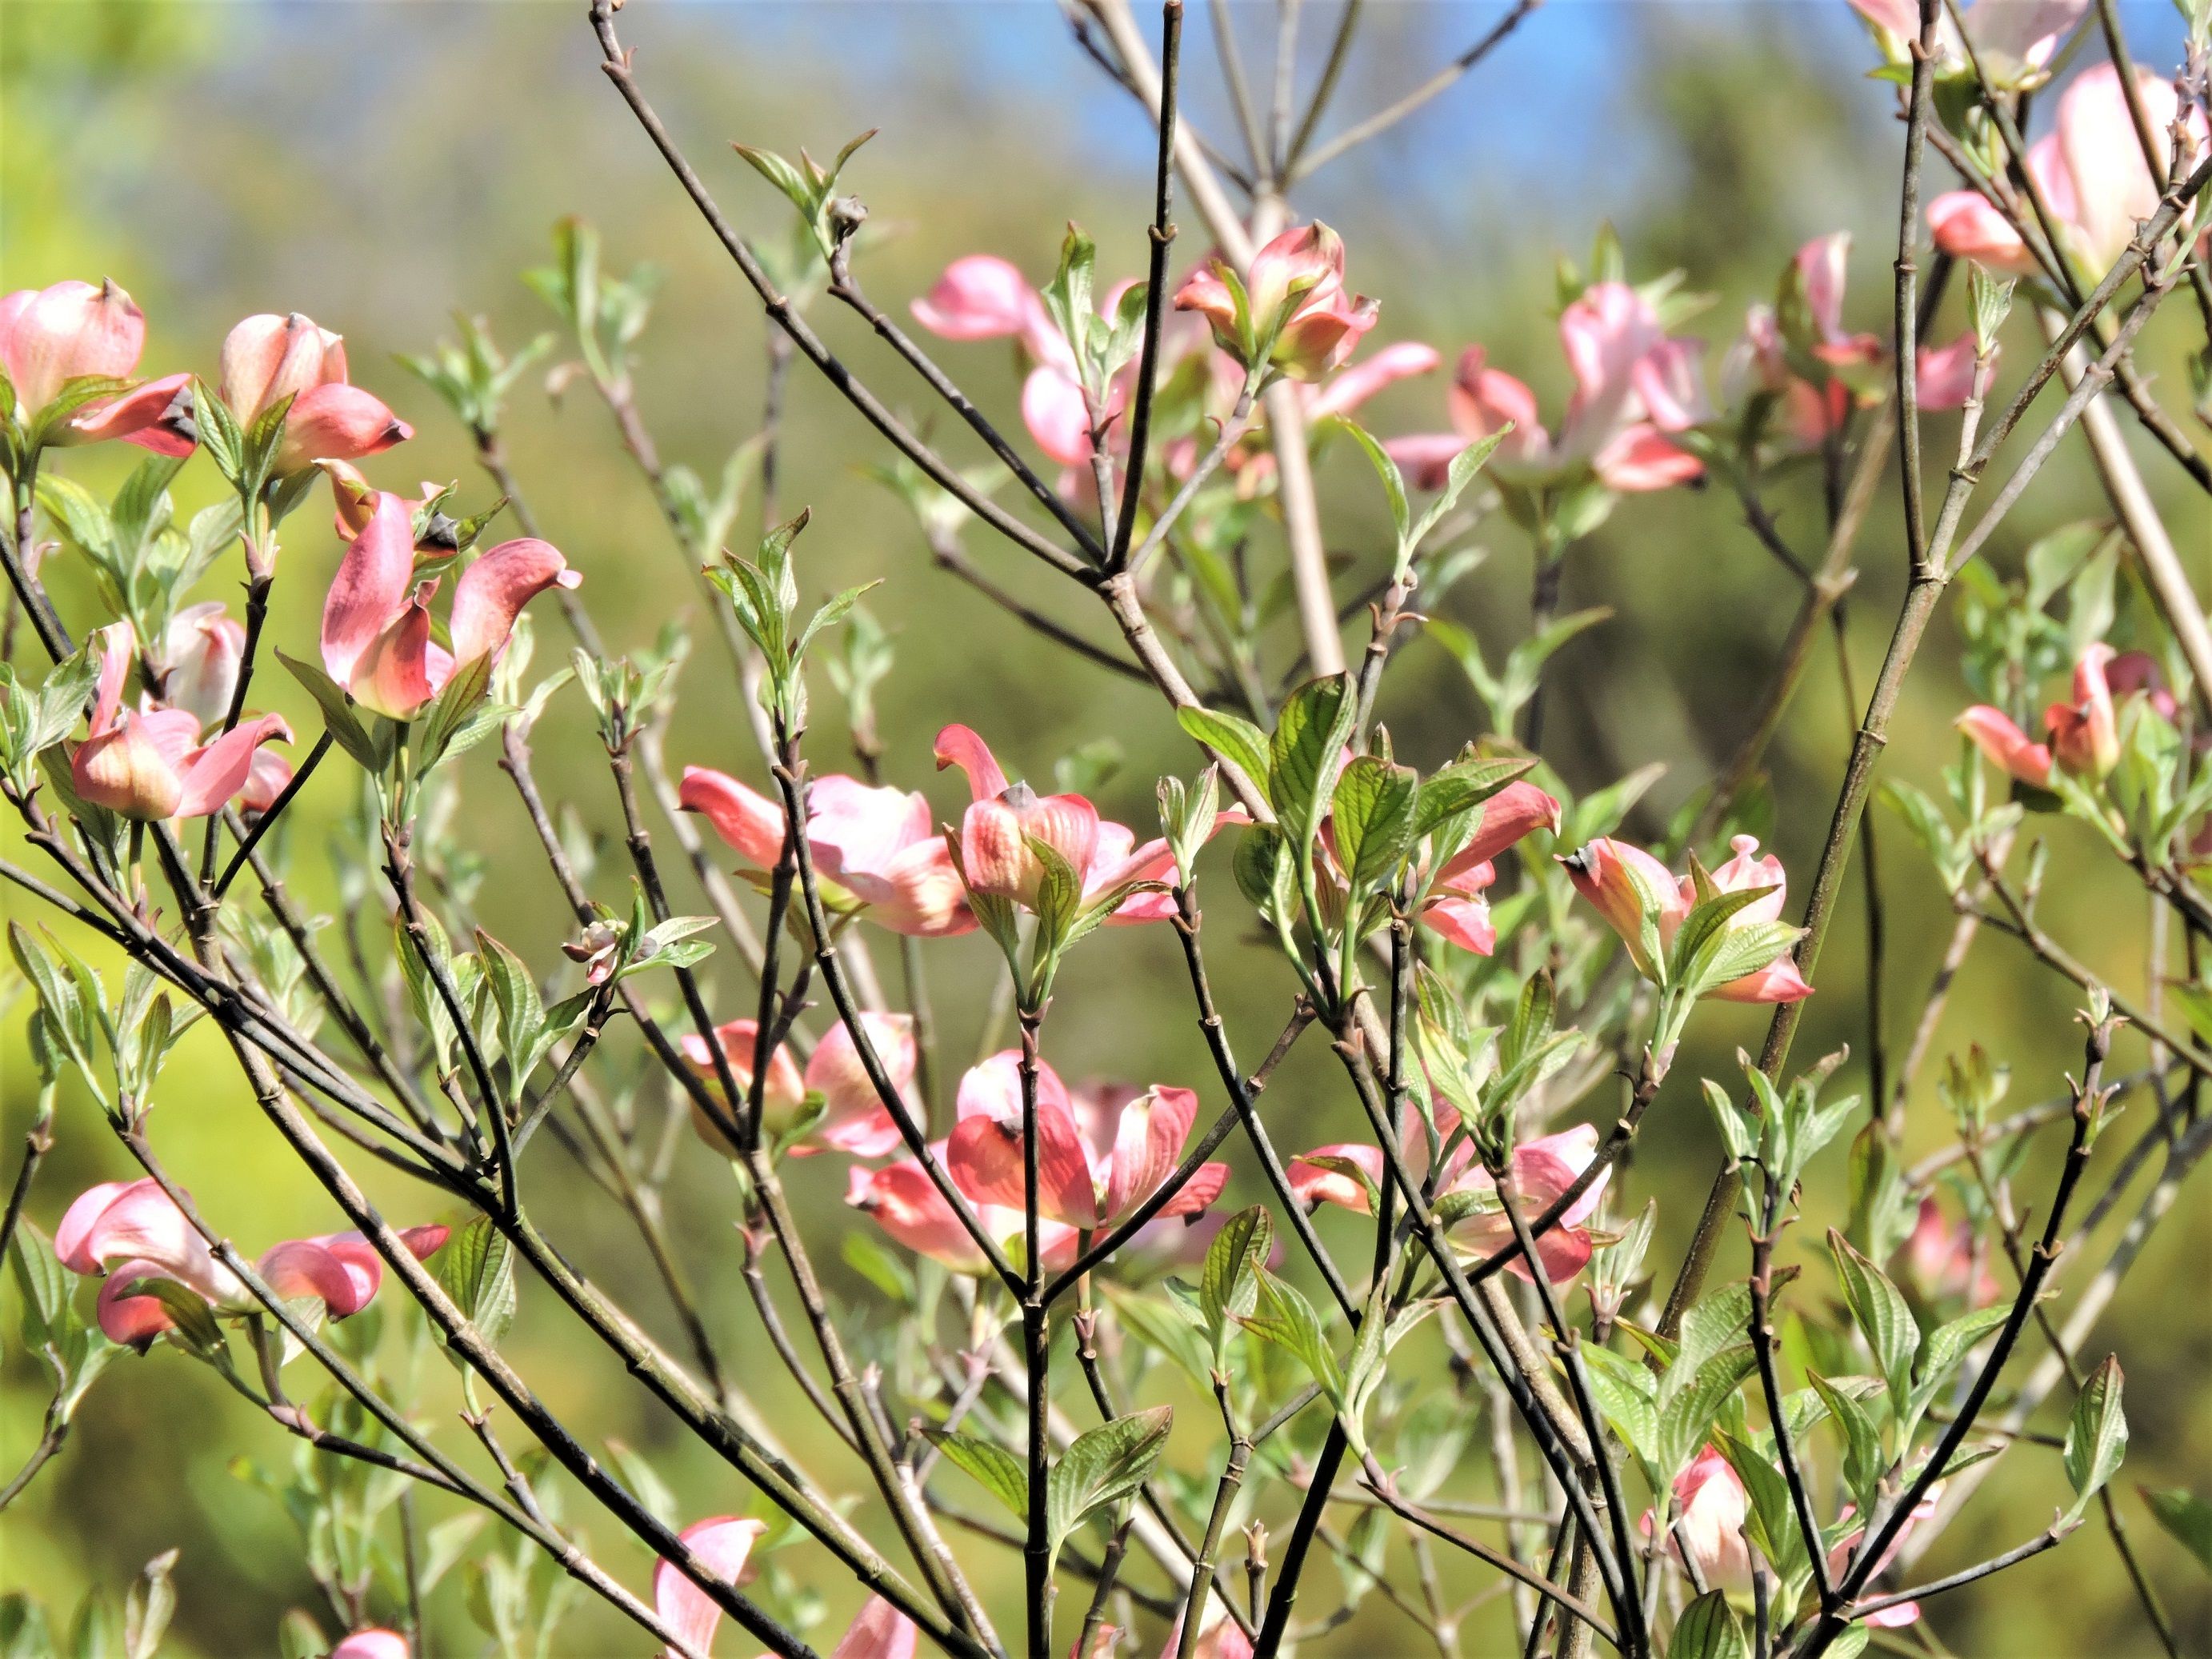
(1541, 1171)
(1631, 889)
(1102, 1150)
(2082, 735)
(155, 762)
(74, 333)
(1799, 353)
(1712, 1505)
(134, 1233)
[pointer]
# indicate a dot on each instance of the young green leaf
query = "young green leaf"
(1709, 1629)
(1880, 1309)
(1229, 1283)
(1104, 1466)
(1373, 806)
(1237, 740)
(998, 1471)
(477, 1270)
(1305, 752)
(2097, 1436)
(2186, 1517)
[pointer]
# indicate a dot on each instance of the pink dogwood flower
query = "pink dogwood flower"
(1941, 1260)
(1455, 909)
(152, 765)
(133, 1231)
(376, 620)
(724, 1545)
(2084, 736)
(1355, 383)
(1297, 320)
(372, 1644)
(1251, 460)
(1711, 1506)
(995, 833)
(1812, 411)
(872, 847)
(1633, 385)
(1222, 1639)
(1839, 1557)
(73, 331)
(1543, 1170)
(267, 358)
(2133, 672)
(1625, 884)
(854, 1119)
(983, 297)
(2005, 747)
(879, 1630)
(197, 660)
(2013, 40)
(2090, 168)
(197, 666)
(906, 1204)
(1097, 1157)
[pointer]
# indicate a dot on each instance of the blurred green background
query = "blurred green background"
(382, 166)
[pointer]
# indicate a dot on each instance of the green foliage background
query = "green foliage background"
(379, 166)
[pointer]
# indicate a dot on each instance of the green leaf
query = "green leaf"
(1286, 1319)
(1305, 752)
(1624, 1392)
(338, 716)
(1862, 1458)
(1237, 740)
(449, 712)
(1104, 1466)
(1708, 1629)
(1068, 300)
(1698, 940)
(2186, 1517)
(2097, 1436)
(1460, 474)
(1524, 663)
(997, 1470)
(784, 176)
(644, 1482)
(1945, 1349)
(1772, 1523)
(60, 987)
(1059, 896)
(1394, 484)
(1464, 786)
(521, 1010)
(1743, 950)
(1879, 1308)
(45, 1286)
(1374, 806)
(1720, 1321)
(1740, 1131)
(1467, 650)
(477, 1270)
(148, 1606)
(1686, 1418)
(1229, 1283)
(24, 1633)
(299, 1636)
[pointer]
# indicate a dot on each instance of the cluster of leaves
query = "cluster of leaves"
(99, 1629)
(142, 560)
